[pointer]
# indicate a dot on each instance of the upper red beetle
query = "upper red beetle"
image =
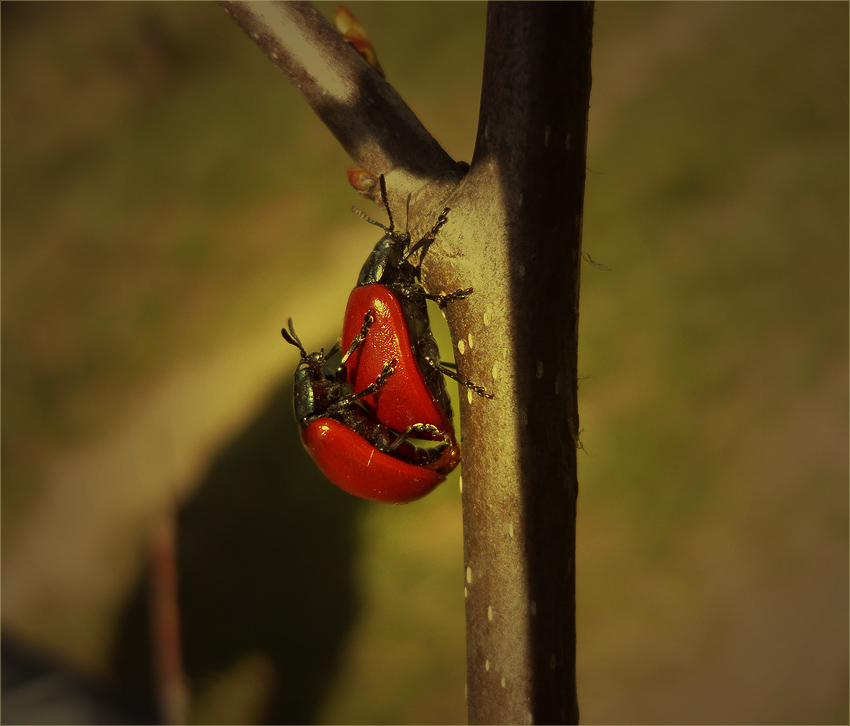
(389, 288)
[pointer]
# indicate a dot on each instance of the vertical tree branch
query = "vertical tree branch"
(519, 212)
(514, 234)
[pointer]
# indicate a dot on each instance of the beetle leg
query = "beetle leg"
(334, 349)
(416, 291)
(432, 235)
(414, 429)
(378, 383)
(444, 298)
(386, 372)
(474, 387)
(368, 319)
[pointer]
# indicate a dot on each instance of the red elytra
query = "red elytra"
(356, 466)
(405, 399)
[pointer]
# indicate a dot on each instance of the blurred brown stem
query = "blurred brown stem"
(515, 236)
(169, 677)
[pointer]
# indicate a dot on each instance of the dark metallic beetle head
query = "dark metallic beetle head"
(316, 385)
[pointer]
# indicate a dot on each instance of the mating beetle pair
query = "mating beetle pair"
(355, 450)
(391, 438)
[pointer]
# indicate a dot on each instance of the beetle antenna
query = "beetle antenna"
(290, 337)
(383, 182)
(360, 213)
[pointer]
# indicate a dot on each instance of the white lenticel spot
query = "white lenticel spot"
(486, 665)
(511, 530)
(469, 337)
(490, 613)
(469, 395)
(503, 681)
(460, 483)
(539, 372)
(496, 371)
(469, 575)
(461, 347)
(534, 608)
(488, 316)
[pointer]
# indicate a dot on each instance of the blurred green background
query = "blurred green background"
(169, 201)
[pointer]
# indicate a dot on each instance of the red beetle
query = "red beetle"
(353, 448)
(389, 288)
(415, 393)
(354, 464)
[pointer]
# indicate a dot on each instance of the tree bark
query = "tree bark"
(522, 203)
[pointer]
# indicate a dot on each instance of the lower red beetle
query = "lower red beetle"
(354, 464)
(352, 448)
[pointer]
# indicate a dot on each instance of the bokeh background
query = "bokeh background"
(168, 201)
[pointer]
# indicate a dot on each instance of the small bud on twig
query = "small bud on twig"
(364, 182)
(355, 34)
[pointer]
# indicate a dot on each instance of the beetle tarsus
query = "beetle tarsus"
(379, 382)
(474, 387)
